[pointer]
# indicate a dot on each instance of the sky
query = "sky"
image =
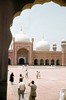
(46, 20)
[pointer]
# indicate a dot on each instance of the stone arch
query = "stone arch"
(41, 62)
(29, 4)
(22, 56)
(52, 62)
(35, 61)
(47, 62)
(21, 61)
(57, 62)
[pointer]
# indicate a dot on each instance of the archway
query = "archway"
(22, 56)
(47, 62)
(21, 61)
(11, 7)
(57, 62)
(36, 62)
(41, 62)
(52, 62)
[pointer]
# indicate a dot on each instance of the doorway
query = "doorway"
(22, 60)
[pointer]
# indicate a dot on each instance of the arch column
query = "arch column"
(7, 9)
(5, 39)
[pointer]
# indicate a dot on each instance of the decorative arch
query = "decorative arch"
(57, 62)
(47, 62)
(52, 62)
(22, 50)
(41, 62)
(36, 62)
(30, 3)
(22, 56)
(21, 61)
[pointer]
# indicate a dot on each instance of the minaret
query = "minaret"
(32, 42)
(32, 51)
(54, 47)
(63, 45)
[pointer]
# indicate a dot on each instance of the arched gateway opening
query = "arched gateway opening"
(21, 61)
(11, 7)
(22, 56)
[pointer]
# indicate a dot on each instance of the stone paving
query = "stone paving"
(52, 80)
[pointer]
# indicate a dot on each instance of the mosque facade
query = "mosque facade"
(22, 53)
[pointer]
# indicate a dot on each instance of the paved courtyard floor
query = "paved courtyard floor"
(52, 80)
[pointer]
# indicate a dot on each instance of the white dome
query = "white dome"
(43, 46)
(63, 42)
(21, 37)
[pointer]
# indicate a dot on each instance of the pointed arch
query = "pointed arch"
(22, 56)
(21, 61)
(41, 62)
(47, 62)
(36, 62)
(58, 62)
(52, 62)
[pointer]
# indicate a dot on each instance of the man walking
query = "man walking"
(21, 88)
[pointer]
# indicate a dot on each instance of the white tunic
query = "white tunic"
(62, 93)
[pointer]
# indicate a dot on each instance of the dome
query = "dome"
(21, 37)
(43, 46)
(54, 45)
(63, 42)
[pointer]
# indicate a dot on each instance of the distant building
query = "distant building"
(22, 52)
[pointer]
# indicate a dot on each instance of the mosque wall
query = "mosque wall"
(63, 46)
(48, 56)
(24, 51)
(64, 59)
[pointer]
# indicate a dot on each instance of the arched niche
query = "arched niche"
(33, 2)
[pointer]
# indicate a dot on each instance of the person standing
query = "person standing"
(21, 88)
(37, 74)
(11, 78)
(26, 73)
(21, 77)
(62, 94)
(32, 95)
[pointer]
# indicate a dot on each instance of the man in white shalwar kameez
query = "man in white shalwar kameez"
(62, 94)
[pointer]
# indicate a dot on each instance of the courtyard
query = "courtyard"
(52, 80)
